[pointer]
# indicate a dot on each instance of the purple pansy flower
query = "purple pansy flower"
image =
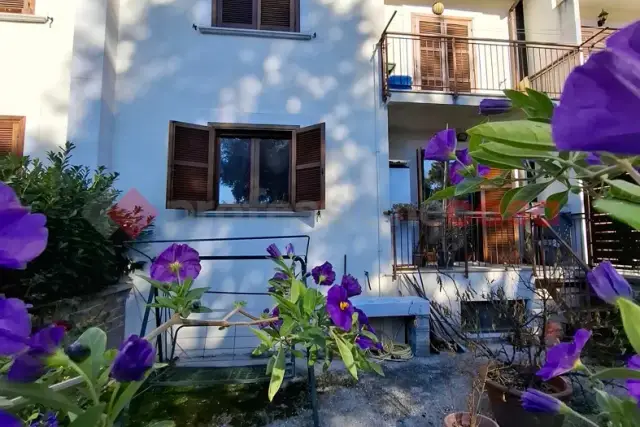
(490, 107)
(633, 386)
(441, 146)
(135, 357)
(31, 364)
(600, 100)
(24, 235)
(351, 285)
(324, 274)
(289, 249)
(536, 401)
(9, 420)
(607, 283)
(339, 307)
(177, 261)
(273, 251)
(366, 343)
(564, 357)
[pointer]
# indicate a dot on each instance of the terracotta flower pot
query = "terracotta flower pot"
(507, 407)
(463, 419)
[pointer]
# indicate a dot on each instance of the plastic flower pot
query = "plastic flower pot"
(463, 419)
(508, 411)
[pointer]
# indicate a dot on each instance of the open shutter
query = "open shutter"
(307, 181)
(278, 15)
(458, 57)
(11, 135)
(431, 70)
(500, 236)
(17, 6)
(237, 13)
(191, 167)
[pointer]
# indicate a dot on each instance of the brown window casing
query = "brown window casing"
(193, 174)
(274, 15)
(26, 7)
(12, 135)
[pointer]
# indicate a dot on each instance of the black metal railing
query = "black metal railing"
(475, 66)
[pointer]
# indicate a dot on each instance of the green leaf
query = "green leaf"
(287, 326)
(505, 150)
(369, 335)
(549, 166)
(167, 302)
(261, 348)
(270, 364)
(197, 293)
(496, 161)
(630, 313)
(298, 354)
(164, 423)
(626, 212)
(309, 301)
(520, 199)
(554, 204)
(522, 101)
(126, 395)
(158, 285)
(202, 309)
(39, 393)
(474, 142)
(543, 105)
(346, 355)
(89, 418)
(445, 193)
(624, 190)
(297, 290)
(264, 337)
(277, 374)
(96, 340)
(506, 200)
(469, 185)
(284, 303)
(517, 133)
(617, 374)
(376, 368)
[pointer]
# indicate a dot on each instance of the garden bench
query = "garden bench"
(403, 319)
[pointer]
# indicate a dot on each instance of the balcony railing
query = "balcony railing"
(474, 66)
(434, 240)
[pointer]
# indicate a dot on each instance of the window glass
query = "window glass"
(235, 171)
(273, 177)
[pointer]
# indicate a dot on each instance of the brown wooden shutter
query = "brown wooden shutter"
(17, 6)
(500, 236)
(237, 13)
(191, 167)
(431, 70)
(278, 15)
(307, 183)
(11, 135)
(458, 57)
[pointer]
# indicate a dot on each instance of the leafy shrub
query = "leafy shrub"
(85, 250)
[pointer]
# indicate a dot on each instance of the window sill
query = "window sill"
(255, 214)
(224, 31)
(27, 19)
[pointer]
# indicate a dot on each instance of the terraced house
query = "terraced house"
(303, 118)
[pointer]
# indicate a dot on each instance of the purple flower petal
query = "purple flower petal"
(47, 340)
(23, 236)
(593, 159)
(607, 283)
(176, 261)
(626, 41)
(339, 307)
(633, 386)
(564, 357)
(135, 357)
(9, 420)
(363, 320)
(324, 274)
(463, 156)
(8, 197)
(289, 249)
(27, 367)
(441, 146)
(273, 251)
(455, 175)
(599, 103)
(366, 343)
(483, 170)
(537, 401)
(351, 285)
(15, 326)
(280, 276)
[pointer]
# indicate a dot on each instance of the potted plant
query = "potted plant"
(472, 418)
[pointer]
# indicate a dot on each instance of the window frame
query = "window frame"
(18, 142)
(253, 205)
(294, 27)
(28, 8)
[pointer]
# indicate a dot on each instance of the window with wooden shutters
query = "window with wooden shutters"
(245, 167)
(443, 63)
(17, 6)
(11, 135)
(500, 236)
(274, 15)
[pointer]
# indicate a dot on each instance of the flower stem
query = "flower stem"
(628, 167)
(85, 377)
(112, 401)
(580, 416)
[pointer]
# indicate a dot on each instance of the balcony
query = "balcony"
(474, 66)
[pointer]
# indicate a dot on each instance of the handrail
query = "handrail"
(481, 39)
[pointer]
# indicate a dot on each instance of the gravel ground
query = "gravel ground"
(419, 392)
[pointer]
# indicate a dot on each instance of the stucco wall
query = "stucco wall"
(34, 76)
(168, 71)
(546, 22)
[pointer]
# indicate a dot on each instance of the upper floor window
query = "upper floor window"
(245, 167)
(279, 15)
(17, 6)
(11, 135)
